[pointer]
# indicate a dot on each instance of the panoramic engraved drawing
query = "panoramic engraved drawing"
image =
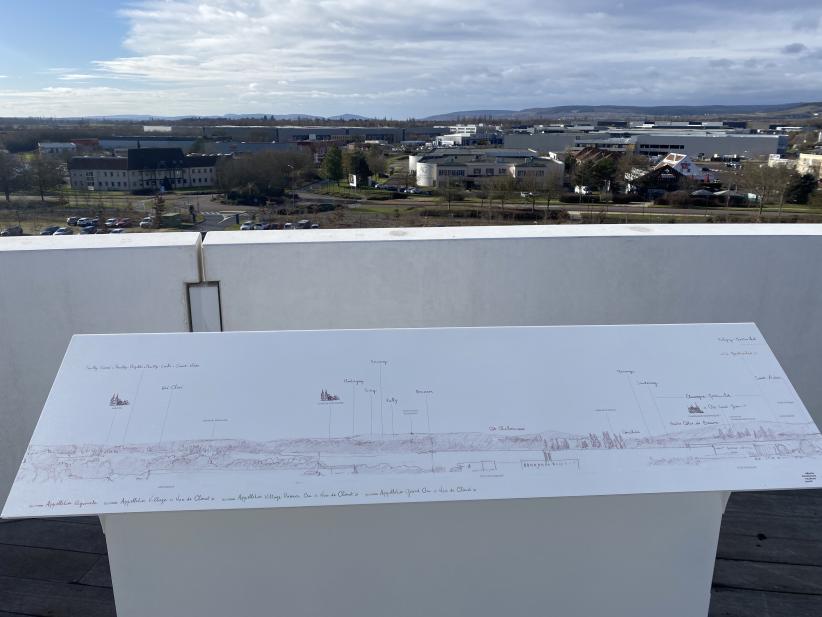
(431, 414)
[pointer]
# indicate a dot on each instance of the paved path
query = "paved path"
(769, 562)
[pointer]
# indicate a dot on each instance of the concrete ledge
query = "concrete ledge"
(307, 236)
(93, 241)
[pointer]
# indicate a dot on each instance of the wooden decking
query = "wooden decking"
(769, 562)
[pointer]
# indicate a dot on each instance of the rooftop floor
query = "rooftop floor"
(769, 562)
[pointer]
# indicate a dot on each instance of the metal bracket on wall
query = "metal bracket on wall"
(204, 307)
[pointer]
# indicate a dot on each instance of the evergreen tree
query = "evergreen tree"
(355, 164)
(333, 165)
(800, 188)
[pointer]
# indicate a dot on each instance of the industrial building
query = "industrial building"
(52, 148)
(342, 134)
(696, 143)
(470, 165)
(126, 143)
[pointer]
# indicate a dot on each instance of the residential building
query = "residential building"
(143, 169)
(674, 172)
(810, 164)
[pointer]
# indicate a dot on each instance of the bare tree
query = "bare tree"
(263, 175)
(12, 173)
(376, 160)
(502, 188)
(769, 184)
(451, 191)
(46, 173)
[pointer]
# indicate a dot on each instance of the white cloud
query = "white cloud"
(428, 56)
(79, 77)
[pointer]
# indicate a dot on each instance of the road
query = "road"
(221, 220)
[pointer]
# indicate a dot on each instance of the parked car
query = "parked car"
(49, 231)
(303, 224)
(271, 226)
(288, 226)
(123, 223)
(72, 220)
(247, 226)
(111, 222)
(118, 230)
(12, 231)
(315, 225)
(89, 229)
(147, 222)
(63, 231)
(83, 221)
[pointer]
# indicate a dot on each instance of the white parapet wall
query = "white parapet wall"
(51, 288)
(532, 275)
(54, 287)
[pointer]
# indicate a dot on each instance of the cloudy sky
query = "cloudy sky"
(400, 58)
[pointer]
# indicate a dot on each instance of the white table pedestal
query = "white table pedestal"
(631, 555)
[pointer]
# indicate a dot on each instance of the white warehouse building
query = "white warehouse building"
(469, 165)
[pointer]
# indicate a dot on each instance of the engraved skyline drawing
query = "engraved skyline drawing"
(370, 417)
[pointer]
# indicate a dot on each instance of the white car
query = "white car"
(111, 222)
(63, 231)
(82, 222)
(145, 223)
(247, 226)
(118, 230)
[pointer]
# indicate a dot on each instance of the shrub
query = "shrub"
(625, 198)
(574, 198)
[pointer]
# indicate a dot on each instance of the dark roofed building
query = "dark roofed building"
(144, 169)
(675, 172)
(97, 162)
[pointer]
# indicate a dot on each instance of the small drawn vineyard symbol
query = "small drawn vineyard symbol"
(116, 402)
(326, 396)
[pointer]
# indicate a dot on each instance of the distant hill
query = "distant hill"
(348, 117)
(624, 111)
(270, 116)
(147, 118)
